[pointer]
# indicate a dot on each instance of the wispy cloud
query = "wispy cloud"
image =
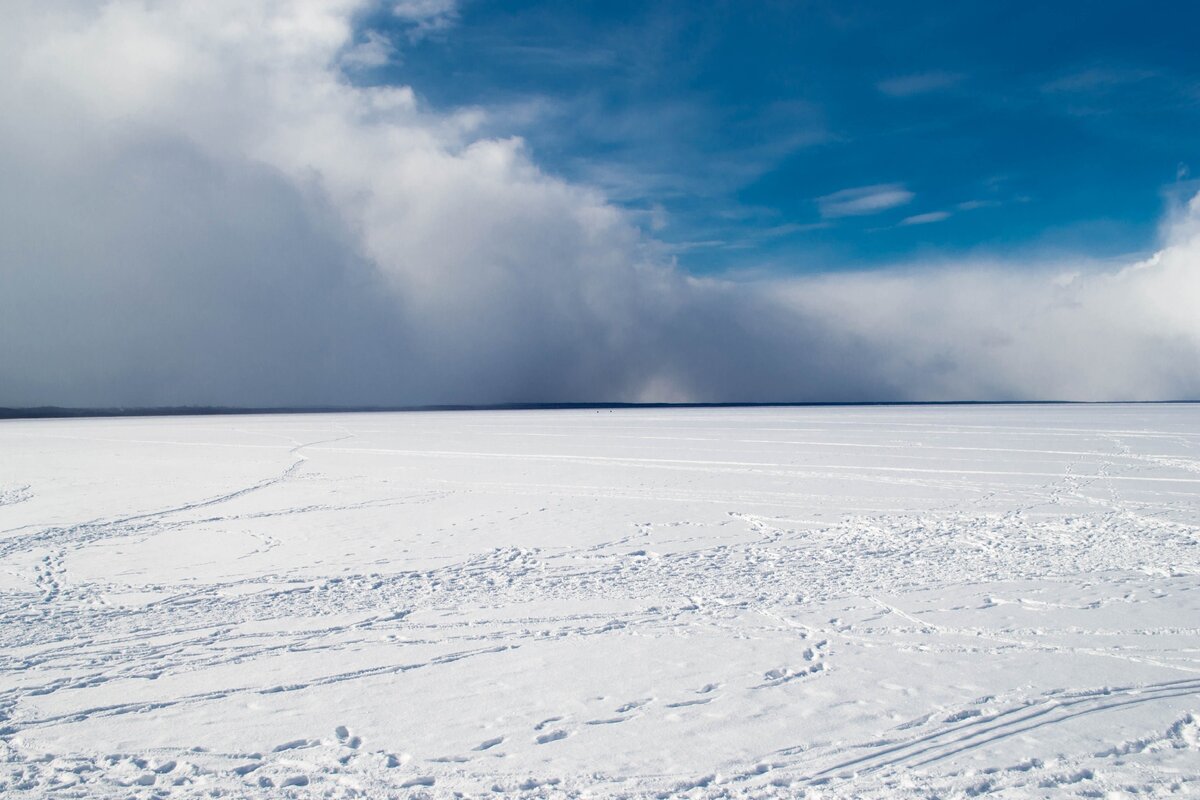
(642, 154)
(1095, 80)
(561, 56)
(919, 83)
(925, 219)
(863, 200)
(426, 17)
(789, 228)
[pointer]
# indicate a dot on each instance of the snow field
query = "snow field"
(787, 602)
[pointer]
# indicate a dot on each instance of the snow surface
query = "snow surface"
(819, 602)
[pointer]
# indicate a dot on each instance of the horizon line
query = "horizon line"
(72, 412)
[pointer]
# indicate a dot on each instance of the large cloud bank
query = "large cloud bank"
(198, 207)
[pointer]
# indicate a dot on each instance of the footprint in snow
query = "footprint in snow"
(552, 736)
(959, 716)
(914, 723)
(345, 739)
(488, 744)
(685, 703)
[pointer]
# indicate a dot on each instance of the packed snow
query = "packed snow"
(761, 602)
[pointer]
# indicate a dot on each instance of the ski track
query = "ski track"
(825, 602)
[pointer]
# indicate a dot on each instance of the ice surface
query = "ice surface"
(821, 602)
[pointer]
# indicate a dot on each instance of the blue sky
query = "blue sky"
(1002, 128)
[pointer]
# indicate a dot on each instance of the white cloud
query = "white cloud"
(973, 205)
(198, 207)
(375, 50)
(863, 200)
(1061, 329)
(926, 218)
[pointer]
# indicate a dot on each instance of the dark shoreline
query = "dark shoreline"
(59, 412)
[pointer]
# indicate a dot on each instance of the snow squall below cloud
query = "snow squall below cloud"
(199, 207)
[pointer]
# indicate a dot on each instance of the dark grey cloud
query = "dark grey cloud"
(156, 276)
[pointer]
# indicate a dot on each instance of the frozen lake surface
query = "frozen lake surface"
(789, 602)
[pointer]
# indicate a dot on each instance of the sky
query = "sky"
(746, 126)
(350, 202)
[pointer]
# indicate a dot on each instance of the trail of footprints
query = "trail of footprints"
(557, 728)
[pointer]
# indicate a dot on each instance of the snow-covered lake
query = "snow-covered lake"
(719, 602)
